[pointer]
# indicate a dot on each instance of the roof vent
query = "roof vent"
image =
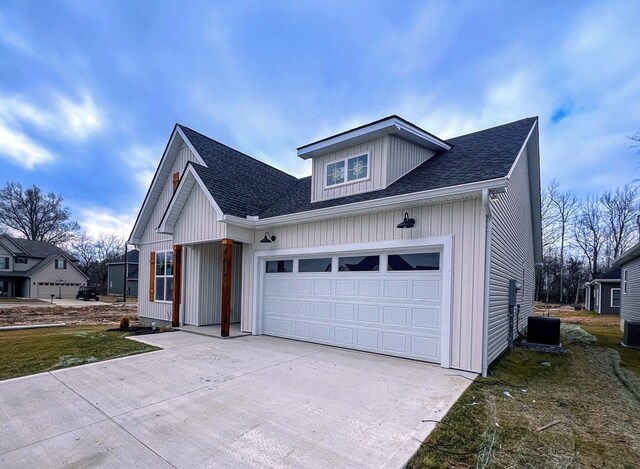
(631, 334)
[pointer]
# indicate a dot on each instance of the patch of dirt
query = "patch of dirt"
(89, 315)
(569, 315)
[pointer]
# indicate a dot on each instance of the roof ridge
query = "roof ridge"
(235, 150)
(492, 128)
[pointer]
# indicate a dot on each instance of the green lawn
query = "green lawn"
(591, 400)
(29, 351)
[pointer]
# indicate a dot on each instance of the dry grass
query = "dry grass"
(86, 315)
(592, 399)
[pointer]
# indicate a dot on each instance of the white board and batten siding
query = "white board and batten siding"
(202, 284)
(512, 257)
(405, 156)
(463, 220)
(151, 241)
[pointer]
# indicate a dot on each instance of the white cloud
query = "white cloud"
(142, 161)
(80, 118)
(21, 150)
(72, 120)
(96, 220)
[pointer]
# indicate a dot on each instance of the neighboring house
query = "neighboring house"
(35, 269)
(224, 237)
(602, 294)
(629, 263)
(115, 274)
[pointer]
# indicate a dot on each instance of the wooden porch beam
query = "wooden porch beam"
(177, 285)
(225, 320)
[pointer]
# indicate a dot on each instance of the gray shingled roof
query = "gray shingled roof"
(613, 274)
(39, 248)
(245, 186)
(240, 185)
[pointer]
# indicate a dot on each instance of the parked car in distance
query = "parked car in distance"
(87, 293)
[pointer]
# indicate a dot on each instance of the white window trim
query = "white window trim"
(163, 277)
(6, 266)
(346, 170)
(624, 281)
(64, 264)
(596, 296)
(620, 298)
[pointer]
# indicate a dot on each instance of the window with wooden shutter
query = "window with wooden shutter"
(152, 276)
(176, 180)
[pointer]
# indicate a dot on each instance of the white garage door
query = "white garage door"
(386, 302)
(65, 290)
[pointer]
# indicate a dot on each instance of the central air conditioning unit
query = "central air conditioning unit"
(631, 334)
(544, 331)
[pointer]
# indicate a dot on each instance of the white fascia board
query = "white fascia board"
(136, 232)
(385, 203)
(189, 178)
(393, 125)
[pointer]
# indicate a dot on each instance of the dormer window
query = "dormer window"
(355, 167)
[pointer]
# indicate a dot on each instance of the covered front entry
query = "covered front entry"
(392, 300)
(202, 288)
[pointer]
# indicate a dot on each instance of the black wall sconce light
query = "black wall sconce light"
(407, 222)
(268, 238)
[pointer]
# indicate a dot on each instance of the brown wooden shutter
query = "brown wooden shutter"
(152, 276)
(176, 180)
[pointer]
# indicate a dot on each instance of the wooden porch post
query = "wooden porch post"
(225, 321)
(177, 285)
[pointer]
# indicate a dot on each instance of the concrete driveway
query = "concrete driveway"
(246, 402)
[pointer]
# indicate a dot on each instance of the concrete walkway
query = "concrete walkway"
(248, 402)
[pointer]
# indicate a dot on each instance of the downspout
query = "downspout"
(486, 200)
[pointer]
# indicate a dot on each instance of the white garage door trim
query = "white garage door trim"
(444, 243)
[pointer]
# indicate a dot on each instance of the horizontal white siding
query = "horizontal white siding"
(630, 301)
(511, 257)
(403, 157)
(463, 219)
(377, 170)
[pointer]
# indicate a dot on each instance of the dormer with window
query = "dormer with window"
(368, 158)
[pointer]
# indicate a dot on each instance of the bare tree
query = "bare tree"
(619, 210)
(566, 205)
(550, 233)
(35, 215)
(108, 247)
(84, 249)
(589, 233)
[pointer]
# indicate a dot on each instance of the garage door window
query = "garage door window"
(315, 265)
(280, 267)
(359, 264)
(164, 276)
(420, 261)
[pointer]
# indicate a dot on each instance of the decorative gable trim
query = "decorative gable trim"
(161, 175)
(179, 199)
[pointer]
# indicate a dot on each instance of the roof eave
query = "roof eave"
(384, 203)
(391, 125)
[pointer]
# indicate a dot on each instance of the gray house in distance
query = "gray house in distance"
(35, 269)
(115, 275)
(602, 294)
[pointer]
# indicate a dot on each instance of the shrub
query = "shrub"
(124, 323)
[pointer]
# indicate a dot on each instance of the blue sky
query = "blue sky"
(90, 91)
